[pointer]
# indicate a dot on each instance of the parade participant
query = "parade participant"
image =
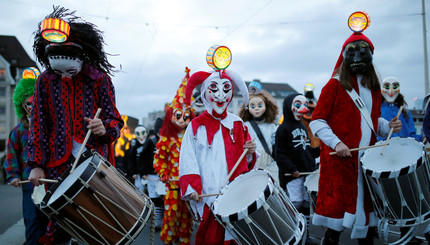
(294, 153)
(342, 201)
(177, 221)
(260, 120)
(67, 95)
(392, 101)
(141, 158)
(306, 119)
(212, 144)
(17, 150)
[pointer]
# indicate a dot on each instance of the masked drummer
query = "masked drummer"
(67, 95)
(212, 144)
(343, 202)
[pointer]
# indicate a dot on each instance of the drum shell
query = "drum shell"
(277, 220)
(101, 203)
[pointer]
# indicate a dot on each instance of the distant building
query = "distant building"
(13, 60)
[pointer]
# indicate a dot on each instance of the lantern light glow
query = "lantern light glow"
(30, 73)
(358, 21)
(218, 57)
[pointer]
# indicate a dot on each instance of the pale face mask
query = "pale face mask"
(141, 134)
(218, 94)
(299, 107)
(390, 89)
(257, 107)
(66, 66)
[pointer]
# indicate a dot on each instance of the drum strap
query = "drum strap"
(260, 136)
(362, 107)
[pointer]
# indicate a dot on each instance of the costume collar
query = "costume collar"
(88, 70)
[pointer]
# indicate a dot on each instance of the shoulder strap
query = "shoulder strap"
(362, 107)
(260, 136)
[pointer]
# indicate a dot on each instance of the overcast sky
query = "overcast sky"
(280, 41)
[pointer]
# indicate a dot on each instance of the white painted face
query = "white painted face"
(299, 107)
(65, 66)
(28, 105)
(218, 94)
(257, 107)
(390, 89)
(141, 134)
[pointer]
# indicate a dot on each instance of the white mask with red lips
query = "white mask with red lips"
(299, 107)
(218, 94)
(390, 89)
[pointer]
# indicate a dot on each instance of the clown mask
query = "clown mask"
(257, 107)
(390, 89)
(141, 134)
(357, 56)
(299, 107)
(28, 105)
(181, 117)
(218, 94)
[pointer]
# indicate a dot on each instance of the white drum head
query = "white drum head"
(400, 153)
(68, 182)
(241, 192)
(311, 182)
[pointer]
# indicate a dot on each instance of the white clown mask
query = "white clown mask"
(218, 94)
(390, 89)
(141, 134)
(299, 107)
(66, 66)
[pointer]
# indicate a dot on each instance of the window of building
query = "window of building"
(2, 110)
(2, 74)
(2, 91)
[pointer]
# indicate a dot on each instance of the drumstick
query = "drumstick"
(392, 129)
(209, 195)
(362, 148)
(41, 180)
(84, 143)
(235, 166)
(304, 173)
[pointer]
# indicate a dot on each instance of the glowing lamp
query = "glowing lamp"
(55, 30)
(358, 21)
(30, 73)
(218, 57)
(309, 87)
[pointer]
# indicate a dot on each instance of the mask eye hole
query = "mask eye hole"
(396, 85)
(186, 116)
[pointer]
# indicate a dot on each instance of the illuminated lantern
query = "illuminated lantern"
(218, 57)
(30, 73)
(55, 30)
(358, 21)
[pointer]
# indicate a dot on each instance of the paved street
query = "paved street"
(12, 225)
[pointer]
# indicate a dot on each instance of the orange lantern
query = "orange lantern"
(358, 21)
(218, 57)
(30, 73)
(55, 30)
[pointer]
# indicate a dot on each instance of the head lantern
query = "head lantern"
(217, 86)
(23, 94)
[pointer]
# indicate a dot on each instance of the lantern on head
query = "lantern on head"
(358, 21)
(218, 57)
(55, 30)
(30, 73)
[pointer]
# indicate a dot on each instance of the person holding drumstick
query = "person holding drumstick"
(212, 144)
(17, 150)
(68, 93)
(342, 201)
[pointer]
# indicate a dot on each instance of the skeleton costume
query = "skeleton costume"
(177, 222)
(211, 146)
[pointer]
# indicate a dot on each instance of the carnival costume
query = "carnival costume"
(73, 86)
(211, 146)
(177, 221)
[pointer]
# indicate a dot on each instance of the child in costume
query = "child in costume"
(17, 150)
(392, 101)
(260, 120)
(343, 201)
(212, 144)
(67, 95)
(177, 221)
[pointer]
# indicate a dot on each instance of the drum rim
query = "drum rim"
(394, 172)
(252, 207)
(137, 227)
(74, 189)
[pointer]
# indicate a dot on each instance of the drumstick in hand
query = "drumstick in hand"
(41, 180)
(303, 173)
(84, 143)
(209, 195)
(392, 129)
(235, 166)
(361, 148)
